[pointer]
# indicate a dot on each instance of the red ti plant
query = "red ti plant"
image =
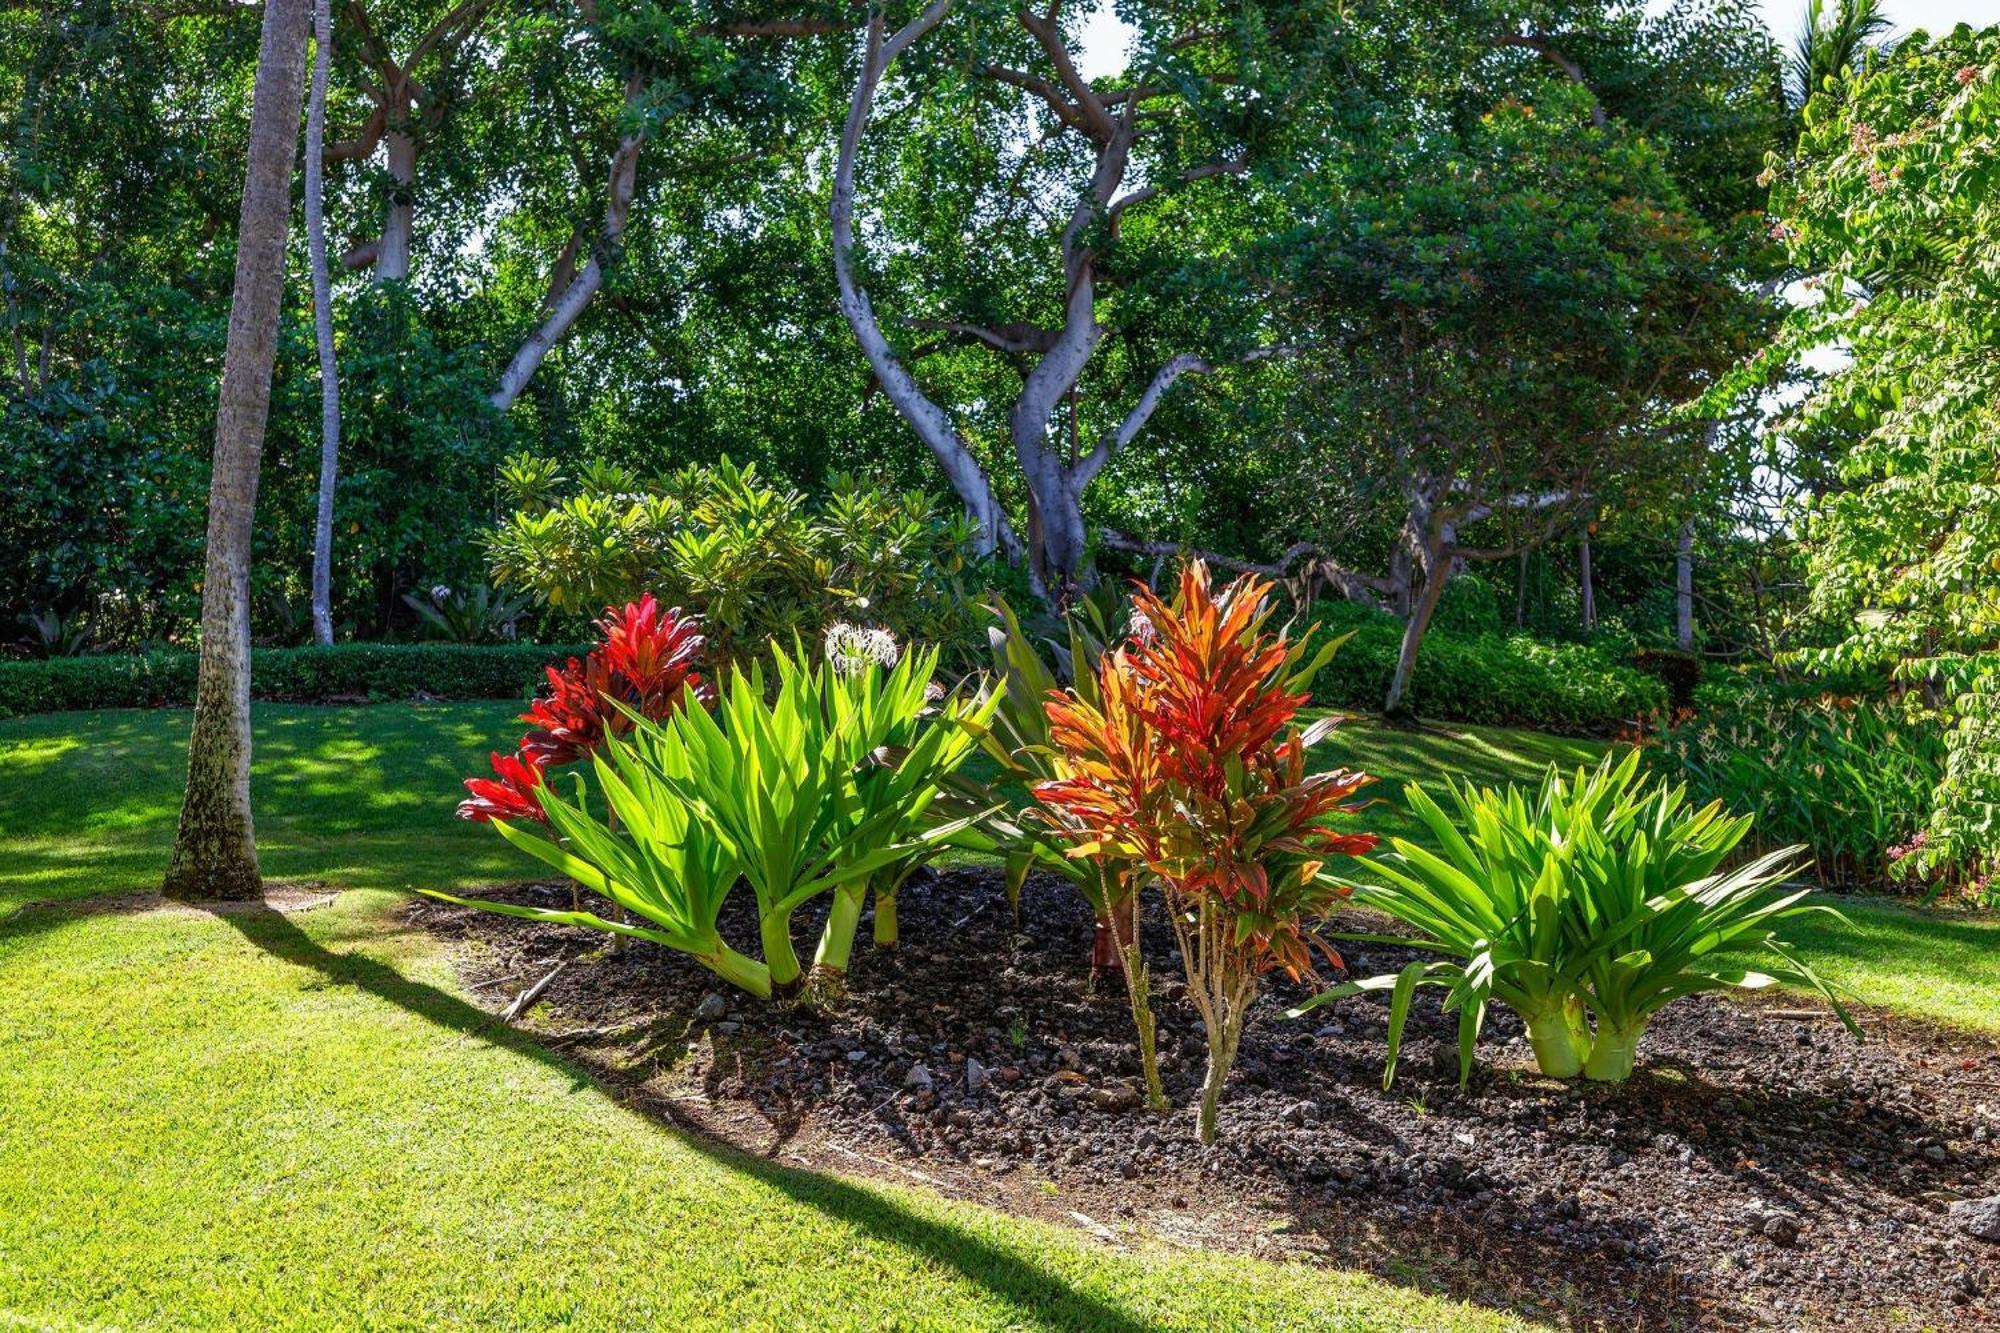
(512, 794)
(646, 662)
(1189, 762)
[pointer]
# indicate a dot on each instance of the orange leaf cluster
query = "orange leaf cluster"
(1191, 763)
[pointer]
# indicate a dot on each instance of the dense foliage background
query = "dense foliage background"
(1494, 331)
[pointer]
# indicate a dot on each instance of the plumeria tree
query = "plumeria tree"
(1893, 206)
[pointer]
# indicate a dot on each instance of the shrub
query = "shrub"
(1188, 763)
(756, 561)
(1848, 778)
(343, 671)
(1585, 908)
(1511, 680)
(1020, 743)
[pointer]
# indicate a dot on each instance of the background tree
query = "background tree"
(1054, 280)
(215, 849)
(1504, 315)
(1893, 206)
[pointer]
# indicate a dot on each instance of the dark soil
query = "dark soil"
(1761, 1168)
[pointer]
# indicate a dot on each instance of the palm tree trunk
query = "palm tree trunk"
(215, 848)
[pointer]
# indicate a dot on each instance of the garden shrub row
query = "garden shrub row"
(1497, 679)
(343, 671)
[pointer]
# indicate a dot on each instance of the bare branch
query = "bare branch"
(1234, 166)
(1065, 110)
(1096, 118)
(1015, 339)
(1112, 441)
(930, 421)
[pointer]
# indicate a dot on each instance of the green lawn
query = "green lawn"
(362, 797)
(263, 1121)
(257, 1121)
(359, 797)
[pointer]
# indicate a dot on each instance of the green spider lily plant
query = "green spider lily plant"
(1585, 908)
(791, 791)
(897, 750)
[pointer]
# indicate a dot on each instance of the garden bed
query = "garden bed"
(1761, 1167)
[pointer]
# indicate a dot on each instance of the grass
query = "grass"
(358, 797)
(260, 1121)
(361, 798)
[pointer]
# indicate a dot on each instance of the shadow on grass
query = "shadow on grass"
(1034, 1291)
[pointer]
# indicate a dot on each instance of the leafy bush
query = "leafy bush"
(1187, 762)
(1500, 680)
(1850, 779)
(478, 616)
(343, 671)
(1585, 908)
(756, 561)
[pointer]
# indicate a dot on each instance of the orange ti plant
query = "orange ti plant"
(1190, 763)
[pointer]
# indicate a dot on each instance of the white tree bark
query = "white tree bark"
(322, 287)
(575, 298)
(1684, 588)
(931, 422)
(392, 255)
(1585, 582)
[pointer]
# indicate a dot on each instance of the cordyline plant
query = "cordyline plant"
(1585, 907)
(1019, 742)
(1190, 765)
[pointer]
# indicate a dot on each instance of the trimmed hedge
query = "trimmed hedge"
(344, 671)
(1497, 679)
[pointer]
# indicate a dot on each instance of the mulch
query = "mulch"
(1761, 1169)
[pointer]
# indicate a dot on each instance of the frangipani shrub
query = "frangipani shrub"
(756, 560)
(1586, 907)
(1189, 763)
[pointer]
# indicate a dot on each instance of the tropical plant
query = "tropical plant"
(1189, 764)
(754, 559)
(1849, 778)
(54, 634)
(479, 615)
(1892, 207)
(1585, 908)
(898, 744)
(832, 781)
(1833, 43)
(1019, 742)
(650, 857)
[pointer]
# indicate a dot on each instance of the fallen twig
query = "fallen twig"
(530, 995)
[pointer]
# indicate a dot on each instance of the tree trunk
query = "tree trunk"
(329, 378)
(392, 261)
(931, 422)
(1436, 572)
(1684, 589)
(215, 849)
(1521, 592)
(1584, 581)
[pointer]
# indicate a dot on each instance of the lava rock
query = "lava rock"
(1977, 1217)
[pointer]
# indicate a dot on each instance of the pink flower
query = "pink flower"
(1966, 74)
